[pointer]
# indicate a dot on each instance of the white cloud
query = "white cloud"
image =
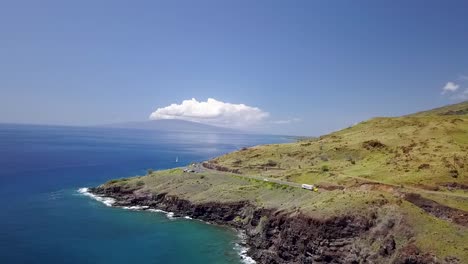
(212, 112)
(450, 87)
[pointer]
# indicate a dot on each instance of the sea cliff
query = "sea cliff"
(278, 236)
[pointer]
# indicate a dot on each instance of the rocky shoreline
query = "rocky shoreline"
(285, 237)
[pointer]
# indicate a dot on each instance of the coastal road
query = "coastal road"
(200, 168)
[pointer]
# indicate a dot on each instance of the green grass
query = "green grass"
(436, 235)
(418, 151)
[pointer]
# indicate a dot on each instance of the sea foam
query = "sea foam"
(105, 200)
(111, 201)
(242, 250)
(136, 207)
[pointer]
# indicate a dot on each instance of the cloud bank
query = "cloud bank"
(212, 112)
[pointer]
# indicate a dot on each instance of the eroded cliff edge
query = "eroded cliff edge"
(378, 234)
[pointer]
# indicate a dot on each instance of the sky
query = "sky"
(282, 67)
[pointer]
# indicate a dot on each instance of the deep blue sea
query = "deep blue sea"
(45, 220)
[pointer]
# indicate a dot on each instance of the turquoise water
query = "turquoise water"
(45, 220)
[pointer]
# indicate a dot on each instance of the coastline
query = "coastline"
(273, 236)
(240, 246)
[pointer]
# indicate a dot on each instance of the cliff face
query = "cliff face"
(286, 237)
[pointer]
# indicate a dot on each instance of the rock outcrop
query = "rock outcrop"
(284, 237)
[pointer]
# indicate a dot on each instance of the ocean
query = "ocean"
(45, 219)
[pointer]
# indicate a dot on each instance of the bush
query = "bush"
(325, 168)
(117, 180)
(424, 166)
(324, 157)
(140, 183)
(454, 173)
(373, 144)
(350, 159)
(149, 171)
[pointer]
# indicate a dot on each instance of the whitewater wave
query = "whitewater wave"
(108, 201)
(105, 200)
(136, 207)
(242, 249)
(156, 211)
(169, 215)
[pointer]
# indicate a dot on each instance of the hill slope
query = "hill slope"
(427, 150)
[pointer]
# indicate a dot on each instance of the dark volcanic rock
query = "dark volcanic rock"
(410, 254)
(438, 210)
(276, 236)
(372, 144)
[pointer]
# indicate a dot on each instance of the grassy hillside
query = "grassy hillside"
(428, 150)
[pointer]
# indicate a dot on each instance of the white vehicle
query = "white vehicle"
(307, 186)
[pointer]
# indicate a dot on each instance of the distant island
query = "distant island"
(389, 190)
(172, 125)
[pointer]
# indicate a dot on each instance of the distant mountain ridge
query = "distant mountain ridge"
(172, 125)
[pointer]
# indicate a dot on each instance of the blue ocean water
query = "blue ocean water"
(45, 220)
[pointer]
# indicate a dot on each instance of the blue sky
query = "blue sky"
(312, 66)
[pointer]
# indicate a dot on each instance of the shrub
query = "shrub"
(373, 144)
(324, 157)
(149, 171)
(350, 159)
(454, 173)
(117, 180)
(325, 168)
(424, 166)
(140, 183)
